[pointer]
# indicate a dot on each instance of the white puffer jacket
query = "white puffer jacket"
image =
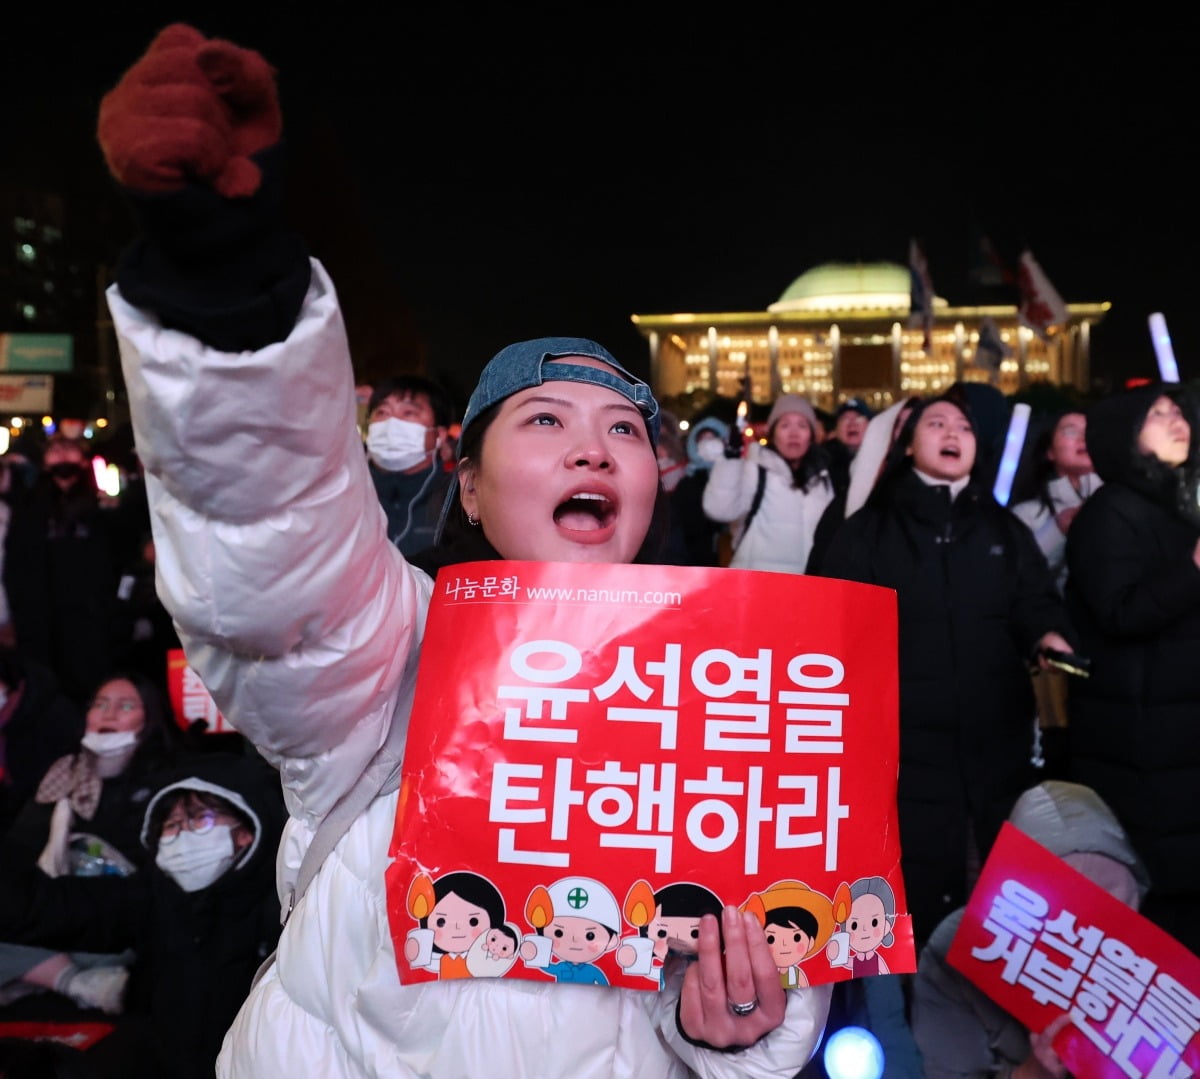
(780, 535)
(305, 624)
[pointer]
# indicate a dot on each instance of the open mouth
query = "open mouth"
(586, 511)
(950, 451)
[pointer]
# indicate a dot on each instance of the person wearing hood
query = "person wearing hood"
(693, 535)
(961, 1032)
(975, 603)
(773, 495)
(200, 917)
(1133, 593)
(85, 819)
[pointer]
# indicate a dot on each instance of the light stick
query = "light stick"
(1013, 443)
(1167, 367)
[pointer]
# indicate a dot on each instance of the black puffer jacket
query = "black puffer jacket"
(196, 951)
(1133, 590)
(974, 596)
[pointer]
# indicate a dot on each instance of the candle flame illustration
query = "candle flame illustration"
(639, 904)
(538, 908)
(421, 897)
(841, 903)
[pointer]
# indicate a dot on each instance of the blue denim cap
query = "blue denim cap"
(530, 363)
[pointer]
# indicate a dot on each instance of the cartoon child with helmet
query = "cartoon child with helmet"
(575, 921)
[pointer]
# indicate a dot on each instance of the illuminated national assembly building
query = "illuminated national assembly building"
(843, 330)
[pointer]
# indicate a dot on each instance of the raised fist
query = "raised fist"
(191, 109)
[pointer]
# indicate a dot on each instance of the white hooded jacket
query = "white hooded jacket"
(305, 625)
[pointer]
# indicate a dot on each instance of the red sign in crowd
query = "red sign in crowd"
(599, 755)
(1042, 940)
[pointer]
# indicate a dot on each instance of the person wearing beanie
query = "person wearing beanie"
(773, 495)
(976, 603)
(308, 627)
(961, 1032)
(1133, 593)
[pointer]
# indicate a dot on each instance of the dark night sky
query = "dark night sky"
(470, 183)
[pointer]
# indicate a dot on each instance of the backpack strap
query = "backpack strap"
(755, 502)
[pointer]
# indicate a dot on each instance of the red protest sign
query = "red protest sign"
(190, 700)
(1041, 940)
(599, 755)
(82, 1035)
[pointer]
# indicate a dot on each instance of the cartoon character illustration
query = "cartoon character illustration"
(798, 922)
(454, 913)
(575, 921)
(667, 921)
(867, 913)
(493, 953)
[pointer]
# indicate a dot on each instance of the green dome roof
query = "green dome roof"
(836, 286)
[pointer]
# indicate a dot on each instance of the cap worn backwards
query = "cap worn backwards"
(526, 364)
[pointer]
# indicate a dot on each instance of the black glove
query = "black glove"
(735, 441)
(226, 271)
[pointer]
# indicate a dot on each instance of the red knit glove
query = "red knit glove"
(190, 109)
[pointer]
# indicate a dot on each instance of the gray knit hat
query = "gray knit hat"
(793, 402)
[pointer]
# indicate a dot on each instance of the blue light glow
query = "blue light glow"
(853, 1053)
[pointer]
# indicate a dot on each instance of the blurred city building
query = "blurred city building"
(847, 330)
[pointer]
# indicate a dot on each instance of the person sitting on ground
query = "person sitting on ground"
(85, 819)
(961, 1032)
(200, 918)
(38, 724)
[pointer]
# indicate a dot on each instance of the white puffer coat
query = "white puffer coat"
(780, 535)
(305, 624)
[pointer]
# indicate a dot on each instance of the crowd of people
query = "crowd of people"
(140, 882)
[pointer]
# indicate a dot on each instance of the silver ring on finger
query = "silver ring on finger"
(743, 1009)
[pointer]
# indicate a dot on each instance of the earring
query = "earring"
(472, 520)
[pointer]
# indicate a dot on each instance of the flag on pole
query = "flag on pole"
(988, 269)
(920, 308)
(991, 350)
(1041, 305)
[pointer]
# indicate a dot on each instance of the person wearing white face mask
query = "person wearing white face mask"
(199, 917)
(407, 421)
(85, 819)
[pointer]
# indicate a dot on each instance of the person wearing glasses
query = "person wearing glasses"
(197, 919)
(85, 819)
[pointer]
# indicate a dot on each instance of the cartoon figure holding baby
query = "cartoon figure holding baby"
(461, 931)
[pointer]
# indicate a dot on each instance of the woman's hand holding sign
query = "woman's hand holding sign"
(735, 998)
